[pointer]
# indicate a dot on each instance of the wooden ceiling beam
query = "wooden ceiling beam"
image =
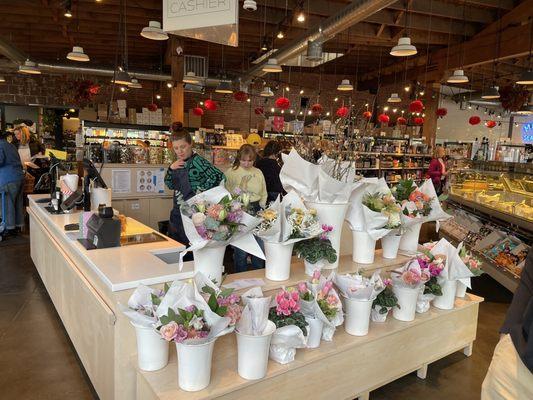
(447, 9)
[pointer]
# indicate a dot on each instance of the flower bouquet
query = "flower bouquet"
(406, 285)
(359, 294)
(316, 251)
(473, 264)
(212, 220)
(432, 264)
(291, 326)
(384, 302)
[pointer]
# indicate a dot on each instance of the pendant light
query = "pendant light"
(135, 84)
(68, 9)
(526, 78)
(394, 98)
(2, 79)
(458, 76)
(404, 47)
(29, 67)
(491, 93)
(526, 109)
(190, 77)
(121, 76)
(266, 92)
(264, 45)
(153, 31)
(272, 66)
(345, 86)
(249, 5)
(224, 87)
(314, 50)
(77, 54)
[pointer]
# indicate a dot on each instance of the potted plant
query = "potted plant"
(317, 251)
(384, 303)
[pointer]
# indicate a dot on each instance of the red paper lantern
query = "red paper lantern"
(474, 120)
(416, 106)
(317, 108)
(441, 112)
(152, 107)
(240, 96)
(401, 121)
(383, 118)
(211, 105)
(342, 112)
(418, 121)
(490, 124)
(198, 111)
(367, 114)
(259, 111)
(283, 103)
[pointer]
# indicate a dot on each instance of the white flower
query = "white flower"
(394, 219)
(198, 219)
(196, 323)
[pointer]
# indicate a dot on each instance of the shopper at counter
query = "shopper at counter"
(510, 375)
(187, 176)
(11, 183)
(437, 169)
(270, 168)
(244, 176)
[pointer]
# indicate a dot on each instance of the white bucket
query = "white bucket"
(357, 318)
(447, 300)
(331, 214)
(461, 289)
(376, 316)
(252, 353)
(390, 244)
(210, 261)
(407, 298)
(194, 365)
(409, 240)
(364, 247)
(314, 332)
(152, 349)
(311, 268)
(278, 261)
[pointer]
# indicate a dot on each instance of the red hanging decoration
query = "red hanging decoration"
(490, 124)
(317, 108)
(342, 112)
(401, 121)
(259, 111)
(240, 96)
(418, 121)
(474, 120)
(441, 112)
(283, 103)
(416, 106)
(198, 111)
(152, 107)
(211, 105)
(383, 118)
(367, 114)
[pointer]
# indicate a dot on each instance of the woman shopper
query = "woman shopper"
(437, 169)
(11, 182)
(248, 179)
(270, 168)
(187, 176)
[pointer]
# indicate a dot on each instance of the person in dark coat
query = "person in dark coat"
(11, 184)
(270, 168)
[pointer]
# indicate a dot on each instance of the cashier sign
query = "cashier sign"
(527, 132)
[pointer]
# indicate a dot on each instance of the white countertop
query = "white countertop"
(120, 268)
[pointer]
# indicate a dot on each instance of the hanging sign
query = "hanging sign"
(210, 20)
(527, 132)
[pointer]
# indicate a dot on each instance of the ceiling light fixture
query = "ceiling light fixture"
(280, 34)
(158, 96)
(153, 31)
(249, 5)
(68, 9)
(77, 54)
(224, 87)
(491, 93)
(394, 98)
(190, 77)
(458, 76)
(29, 67)
(135, 84)
(122, 78)
(301, 91)
(404, 48)
(345, 86)
(264, 45)
(272, 66)
(526, 78)
(314, 50)
(266, 92)
(169, 85)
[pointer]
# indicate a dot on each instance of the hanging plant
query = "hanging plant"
(441, 112)
(283, 103)
(401, 121)
(490, 124)
(416, 106)
(342, 112)
(84, 91)
(317, 108)
(418, 121)
(383, 118)
(367, 115)
(152, 107)
(240, 96)
(211, 105)
(474, 120)
(259, 111)
(513, 98)
(198, 111)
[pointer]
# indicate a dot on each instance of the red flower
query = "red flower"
(383, 118)
(490, 124)
(317, 108)
(240, 96)
(211, 105)
(94, 89)
(474, 120)
(416, 106)
(401, 121)
(367, 114)
(441, 112)
(152, 107)
(418, 121)
(283, 103)
(198, 111)
(342, 112)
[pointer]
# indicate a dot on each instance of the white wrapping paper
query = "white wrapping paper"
(375, 222)
(254, 317)
(141, 298)
(454, 267)
(354, 216)
(285, 341)
(412, 265)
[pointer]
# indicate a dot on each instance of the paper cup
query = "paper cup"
(331, 214)
(447, 300)
(376, 316)
(461, 289)
(357, 318)
(407, 298)
(409, 241)
(278, 261)
(314, 329)
(311, 268)
(364, 247)
(390, 244)
(194, 365)
(100, 196)
(71, 180)
(252, 353)
(210, 261)
(152, 349)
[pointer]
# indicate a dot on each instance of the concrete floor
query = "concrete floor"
(37, 360)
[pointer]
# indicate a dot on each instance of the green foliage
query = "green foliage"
(316, 249)
(329, 311)
(403, 189)
(433, 287)
(386, 299)
(296, 318)
(374, 201)
(183, 317)
(213, 302)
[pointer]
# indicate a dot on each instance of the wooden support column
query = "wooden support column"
(431, 103)
(177, 100)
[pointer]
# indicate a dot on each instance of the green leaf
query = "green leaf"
(222, 311)
(208, 289)
(213, 303)
(171, 314)
(226, 292)
(155, 300)
(166, 287)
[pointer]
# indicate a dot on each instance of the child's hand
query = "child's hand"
(178, 164)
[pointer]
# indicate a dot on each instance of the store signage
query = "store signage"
(527, 132)
(209, 20)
